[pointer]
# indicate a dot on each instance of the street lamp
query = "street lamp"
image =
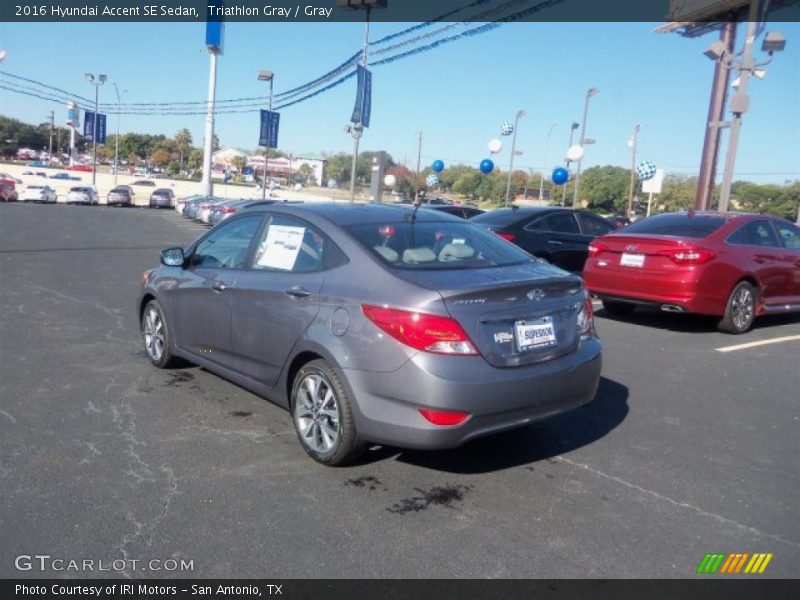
(592, 91)
(544, 161)
(266, 76)
(116, 141)
(740, 103)
(101, 79)
(572, 129)
(517, 117)
(632, 145)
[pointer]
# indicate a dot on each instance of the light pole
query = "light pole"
(101, 79)
(544, 161)
(592, 91)
(116, 140)
(517, 117)
(208, 142)
(740, 103)
(266, 76)
(632, 144)
(419, 161)
(52, 116)
(572, 129)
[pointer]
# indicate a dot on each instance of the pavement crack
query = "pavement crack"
(680, 503)
(8, 416)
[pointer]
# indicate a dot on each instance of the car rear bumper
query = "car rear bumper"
(161, 202)
(387, 405)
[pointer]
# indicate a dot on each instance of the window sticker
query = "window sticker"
(281, 247)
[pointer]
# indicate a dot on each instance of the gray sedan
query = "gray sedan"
(375, 324)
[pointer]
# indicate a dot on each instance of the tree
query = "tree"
(195, 159)
(183, 140)
(159, 158)
(605, 188)
(337, 167)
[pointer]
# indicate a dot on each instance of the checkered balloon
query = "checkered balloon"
(646, 170)
(507, 128)
(432, 180)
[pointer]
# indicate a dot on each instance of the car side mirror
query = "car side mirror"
(173, 257)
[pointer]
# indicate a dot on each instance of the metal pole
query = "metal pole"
(716, 111)
(544, 162)
(634, 137)
(739, 106)
(116, 141)
(571, 137)
(52, 124)
(94, 132)
(208, 145)
(358, 128)
(419, 161)
(580, 141)
(519, 114)
(266, 149)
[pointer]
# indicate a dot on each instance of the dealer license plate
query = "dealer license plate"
(540, 333)
(632, 260)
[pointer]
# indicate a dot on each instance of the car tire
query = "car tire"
(740, 309)
(617, 308)
(157, 336)
(322, 415)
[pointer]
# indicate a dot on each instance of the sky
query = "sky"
(458, 94)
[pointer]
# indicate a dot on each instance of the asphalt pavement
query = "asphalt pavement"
(685, 450)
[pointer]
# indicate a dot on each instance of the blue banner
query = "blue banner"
(215, 28)
(363, 107)
(88, 127)
(270, 122)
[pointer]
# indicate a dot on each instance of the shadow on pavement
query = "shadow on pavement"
(527, 445)
(691, 323)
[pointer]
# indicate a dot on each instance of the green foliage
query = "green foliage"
(605, 188)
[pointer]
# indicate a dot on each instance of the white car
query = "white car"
(204, 212)
(39, 193)
(83, 194)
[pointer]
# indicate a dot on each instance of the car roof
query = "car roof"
(349, 213)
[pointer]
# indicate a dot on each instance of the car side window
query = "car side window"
(754, 233)
(292, 245)
(591, 225)
(228, 246)
(559, 222)
(789, 234)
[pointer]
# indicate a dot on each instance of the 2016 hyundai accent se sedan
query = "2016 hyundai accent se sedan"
(375, 324)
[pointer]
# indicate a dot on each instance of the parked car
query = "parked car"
(371, 327)
(144, 182)
(162, 198)
(191, 206)
(181, 202)
(38, 163)
(204, 208)
(39, 193)
(619, 221)
(558, 235)
(65, 176)
(83, 194)
(732, 266)
(122, 195)
(10, 179)
(83, 168)
(457, 210)
(7, 192)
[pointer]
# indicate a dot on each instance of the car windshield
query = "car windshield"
(79, 189)
(689, 224)
(500, 218)
(437, 245)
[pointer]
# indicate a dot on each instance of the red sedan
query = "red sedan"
(730, 265)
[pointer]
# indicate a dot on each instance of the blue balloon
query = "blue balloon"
(438, 166)
(560, 175)
(487, 166)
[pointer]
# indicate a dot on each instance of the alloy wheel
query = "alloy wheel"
(742, 308)
(154, 334)
(316, 413)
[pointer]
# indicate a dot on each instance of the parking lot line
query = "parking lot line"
(780, 340)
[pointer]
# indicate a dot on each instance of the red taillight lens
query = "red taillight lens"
(596, 248)
(690, 256)
(506, 236)
(586, 317)
(432, 333)
(444, 417)
(228, 210)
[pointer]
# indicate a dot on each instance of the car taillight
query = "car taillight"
(431, 333)
(586, 317)
(596, 248)
(689, 256)
(228, 210)
(443, 417)
(204, 206)
(506, 235)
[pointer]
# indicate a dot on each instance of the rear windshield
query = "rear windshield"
(35, 187)
(79, 189)
(432, 245)
(679, 224)
(121, 190)
(500, 218)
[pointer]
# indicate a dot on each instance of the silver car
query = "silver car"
(83, 194)
(375, 324)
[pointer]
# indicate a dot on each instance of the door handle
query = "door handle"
(219, 286)
(297, 292)
(555, 242)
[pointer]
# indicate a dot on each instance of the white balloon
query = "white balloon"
(389, 180)
(575, 152)
(495, 146)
